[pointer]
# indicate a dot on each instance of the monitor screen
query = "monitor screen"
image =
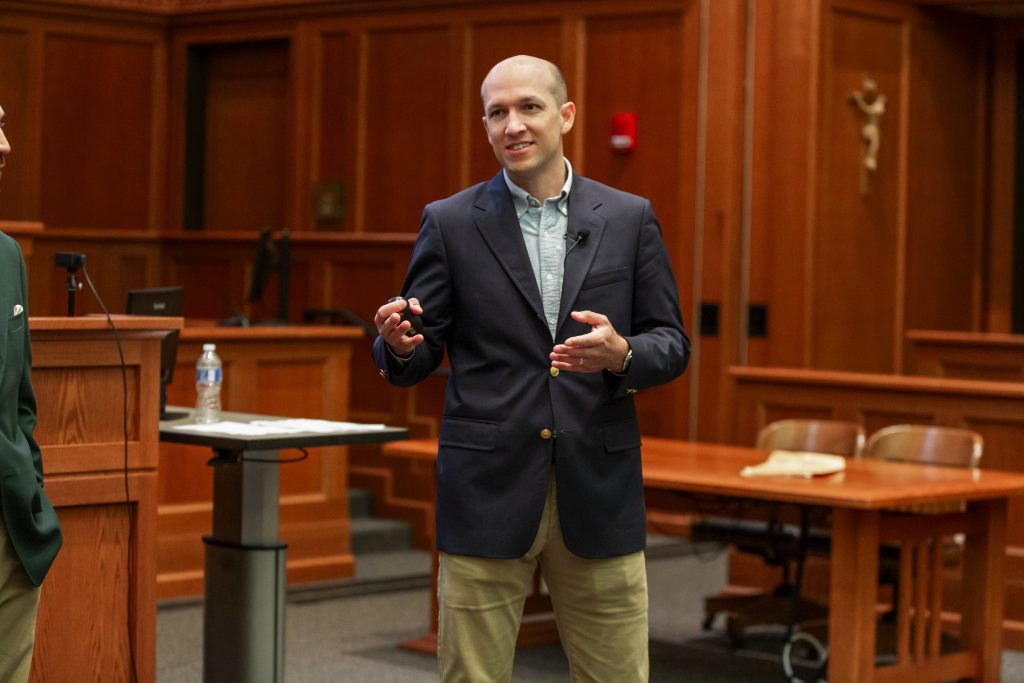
(162, 301)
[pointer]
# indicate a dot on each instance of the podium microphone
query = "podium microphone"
(71, 261)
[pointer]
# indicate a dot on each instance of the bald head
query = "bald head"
(542, 72)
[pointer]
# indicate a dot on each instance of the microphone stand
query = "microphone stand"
(73, 286)
(71, 261)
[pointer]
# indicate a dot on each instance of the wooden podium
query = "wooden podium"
(100, 595)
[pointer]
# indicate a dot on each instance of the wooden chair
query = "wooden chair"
(927, 445)
(777, 543)
(913, 566)
(909, 565)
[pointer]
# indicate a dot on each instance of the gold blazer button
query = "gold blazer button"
(545, 433)
(554, 371)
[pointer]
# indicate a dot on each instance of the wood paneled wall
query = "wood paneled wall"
(846, 271)
(384, 102)
(749, 148)
(87, 103)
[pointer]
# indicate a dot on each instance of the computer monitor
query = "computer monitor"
(272, 259)
(161, 301)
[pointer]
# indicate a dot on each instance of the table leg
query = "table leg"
(981, 627)
(854, 589)
(244, 583)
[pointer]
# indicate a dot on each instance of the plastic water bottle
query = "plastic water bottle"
(209, 377)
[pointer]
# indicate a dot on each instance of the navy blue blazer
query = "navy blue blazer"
(471, 272)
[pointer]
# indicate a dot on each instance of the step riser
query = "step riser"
(360, 503)
(371, 534)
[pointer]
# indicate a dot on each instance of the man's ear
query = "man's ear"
(568, 113)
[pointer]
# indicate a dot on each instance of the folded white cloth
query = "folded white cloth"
(795, 464)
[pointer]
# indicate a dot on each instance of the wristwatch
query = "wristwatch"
(626, 361)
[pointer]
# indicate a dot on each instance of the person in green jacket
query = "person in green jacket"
(30, 534)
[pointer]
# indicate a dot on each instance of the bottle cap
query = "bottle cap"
(209, 347)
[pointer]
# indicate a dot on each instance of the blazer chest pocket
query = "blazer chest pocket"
(475, 435)
(15, 323)
(606, 277)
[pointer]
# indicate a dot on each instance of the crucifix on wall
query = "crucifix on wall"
(872, 107)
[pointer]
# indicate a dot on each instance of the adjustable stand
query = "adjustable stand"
(243, 624)
(244, 586)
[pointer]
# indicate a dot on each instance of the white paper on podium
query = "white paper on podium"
(272, 427)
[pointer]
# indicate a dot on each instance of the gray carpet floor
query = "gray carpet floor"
(350, 631)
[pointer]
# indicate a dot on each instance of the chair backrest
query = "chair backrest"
(836, 437)
(926, 444)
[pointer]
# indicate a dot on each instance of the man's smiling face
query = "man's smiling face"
(524, 120)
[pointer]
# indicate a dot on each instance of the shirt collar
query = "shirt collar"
(521, 198)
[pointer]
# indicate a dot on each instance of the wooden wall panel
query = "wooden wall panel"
(781, 223)
(659, 92)
(491, 43)
(856, 282)
(410, 153)
(944, 179)
(1003, 119)
(337, 117)
(15, 202)
(656, 93)
(966, 355)
(247, 124)
(97, 131)
(215, 279)
(720, 247)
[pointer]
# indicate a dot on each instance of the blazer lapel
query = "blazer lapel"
(583, 215)
(496, 220)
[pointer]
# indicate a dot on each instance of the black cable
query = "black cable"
(127, 494)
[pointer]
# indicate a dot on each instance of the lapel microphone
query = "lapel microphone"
(581, 236)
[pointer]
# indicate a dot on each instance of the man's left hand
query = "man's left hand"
(600, 349)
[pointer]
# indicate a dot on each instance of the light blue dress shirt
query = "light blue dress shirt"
(545, 226)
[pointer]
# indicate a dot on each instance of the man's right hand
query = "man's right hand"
(392, 328)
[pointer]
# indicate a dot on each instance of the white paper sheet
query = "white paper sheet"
(272, 427)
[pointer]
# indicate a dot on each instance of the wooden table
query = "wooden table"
(862, 500)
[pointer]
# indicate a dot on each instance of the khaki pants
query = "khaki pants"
(600, 607)
(18, 602)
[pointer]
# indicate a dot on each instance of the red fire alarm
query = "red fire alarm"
(624, 131)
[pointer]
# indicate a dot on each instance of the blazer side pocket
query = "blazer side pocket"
(476, 435)
(622, 436)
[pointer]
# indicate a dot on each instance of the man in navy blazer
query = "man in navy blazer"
(555, 301)
(29, 532)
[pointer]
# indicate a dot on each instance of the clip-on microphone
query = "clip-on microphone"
(581, 236)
